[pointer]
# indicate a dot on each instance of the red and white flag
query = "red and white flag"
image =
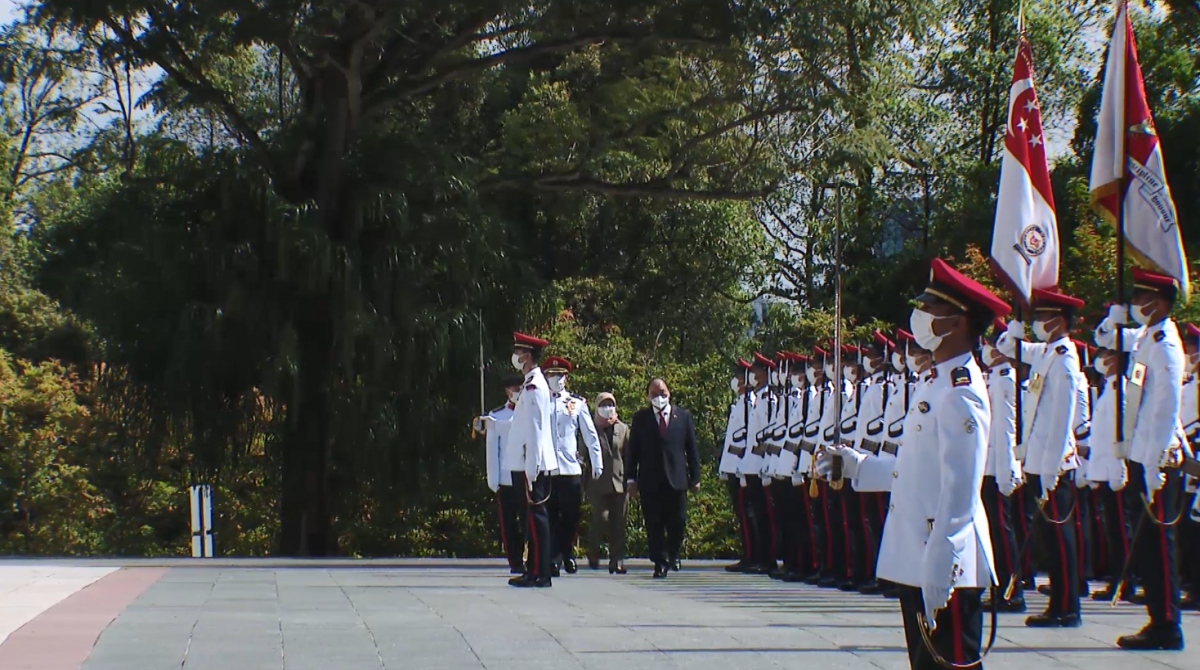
(1127, 148)
(1025, 238)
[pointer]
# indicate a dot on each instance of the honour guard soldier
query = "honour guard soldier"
(1155, 447)
(1189, 528)
(806, 564)
(731, 459)
(821, 394)
(1109, 472)
(751, 467)
(1049, 422)
(836, 568)
(869, 438)
(851, 503)
(783, 464)
(532, 434)
(502, 465)
(936, 538)
(1003, 475)
(571, 419)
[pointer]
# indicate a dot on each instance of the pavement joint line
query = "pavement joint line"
(367, 626)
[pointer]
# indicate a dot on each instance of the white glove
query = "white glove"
(480, 424)
(742, 480)
(824, 463)
(1123, 479)
(1080, 480)
(1016, 330)
(597, 472)
(1118, 314)
(1048, 486)
(850, 461)
(1155, 479)
(797, 478)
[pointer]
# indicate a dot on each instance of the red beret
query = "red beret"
(819, 352)
(1144, 280)
(522, 341)
(744, 364)
(904, 336)
(557, 364)
(1192, 330)
(999, 325)
(801, 358)
(783, 356)
(949, 285)
(763, 361)
(883, 341)
(1049, 301)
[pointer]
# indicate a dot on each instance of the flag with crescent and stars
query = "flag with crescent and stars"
(1127, 166)
(1025, 238)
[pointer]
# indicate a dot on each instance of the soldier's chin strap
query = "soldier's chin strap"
(926, 630)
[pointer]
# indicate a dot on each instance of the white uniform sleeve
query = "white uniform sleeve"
(536, 423)
(492, 444)
(1165, 397)
(591, 439)
(1030, 351)
(962, 430)
(875, 473)
(1060, 417)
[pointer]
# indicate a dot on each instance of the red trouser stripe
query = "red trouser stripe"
(812, 533)
(1062, 551)
(825, 502)
(846, 536)
(1121, 512)
(503, 530)
(1168, 602)
(533, 541)
(958, 637)
(1002, 516)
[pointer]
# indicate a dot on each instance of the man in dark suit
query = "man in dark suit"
(662, 464)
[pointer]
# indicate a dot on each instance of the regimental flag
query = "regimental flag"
(1127, 147)
(1025, 237)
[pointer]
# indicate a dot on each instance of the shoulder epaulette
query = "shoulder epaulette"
(578, 397)
(960, 377)
(1005, 371)
(1061, 349)
(498, 408)
(1160, 336)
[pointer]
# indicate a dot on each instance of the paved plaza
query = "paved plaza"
(451, 615)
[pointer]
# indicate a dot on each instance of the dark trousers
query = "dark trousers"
(837, 552)
(737, 498)
(811, 531)
(1023, 511)
(785, 502)
(510, 503)
(665, 510)
(538, 516)
(1099, 534)
(875, 509)
(564, 515)
(1189, 541)
(1057, 535)
(1118, 532)
(1004, 539)
(1154, 552)
(853, 519)
(758, 513)
(958, 637)
(609, 512)
(1084, 540)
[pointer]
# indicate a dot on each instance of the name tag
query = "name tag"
(1133, 396)
(810, 447)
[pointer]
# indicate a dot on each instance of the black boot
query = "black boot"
(1168, 638)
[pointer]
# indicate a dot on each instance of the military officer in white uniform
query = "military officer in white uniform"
(531, 435)
(837, 568)
(1003, 474)
(784, 496)
(821, 396)
(732, 451)
(1189, 528)
(752, 465)
(1108, 470)
(572, 418)
(866, 510)
(510, 491)
(1049, 422)
(936, 542)
(1156, 445)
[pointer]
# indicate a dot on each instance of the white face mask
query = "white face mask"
(829, 371)
(513, 396)
(869, 365)
(911, 361)
(1040, 331)
(516, 361)
(557, 383)
(735, 384)
(811, 373)
(1142, 313)
(989, 355)
(754, 379)
(922, 329)
(797, 379)
(850, 373)
(1104, 368)
(607, 411)
(898, 361)
(658, 402)
(774, 378)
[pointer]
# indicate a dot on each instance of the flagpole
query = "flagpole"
(1120, 158)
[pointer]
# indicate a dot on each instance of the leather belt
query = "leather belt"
(871, 446)
(737, 451)
(891, 448)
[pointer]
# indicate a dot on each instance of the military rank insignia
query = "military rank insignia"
(1005, 371)
(531, 387)
(923, 407)
(1061, 349)
(970, 425)
(571, 407)
(960, 377)
(1160, 336)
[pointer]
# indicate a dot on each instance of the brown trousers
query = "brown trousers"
(608, 518)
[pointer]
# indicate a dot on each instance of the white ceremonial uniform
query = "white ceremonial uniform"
(936, 536)
(802, 410)
(533, 428)
(1103, 465)
(572, 417)
(1159, 363)
(871, 429)
(1002, 460)
(1051, 416)
(754, 460)
(882, 474)
(731, 456)
(497, 448)
(1189, 407)
(830, 419)
(784, 463)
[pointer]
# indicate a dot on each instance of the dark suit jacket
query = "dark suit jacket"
(655, 462)
(612, 480)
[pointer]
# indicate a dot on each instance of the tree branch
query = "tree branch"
(646, 190)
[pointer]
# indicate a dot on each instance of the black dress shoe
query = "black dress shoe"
(516, 580)
(777, 574)
(792, 578)
(1048, 620)
(847, 586)
(736, 567)
(757, 570)
(555, 571)
(1103, 595)
(676, 565)
(1044, 589)
(570, 566)
(660, 570)
(616, 569)
(1014, 605)
(829, 582)
(1167, 638)
(536, 583)
(870, 588)
(1187, 602)
(1029, 584)
(813, 579)
(593, 563)
(892, 593)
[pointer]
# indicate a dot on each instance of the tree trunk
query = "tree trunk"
(306, 527)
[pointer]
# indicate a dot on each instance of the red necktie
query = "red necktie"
(662, 424)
